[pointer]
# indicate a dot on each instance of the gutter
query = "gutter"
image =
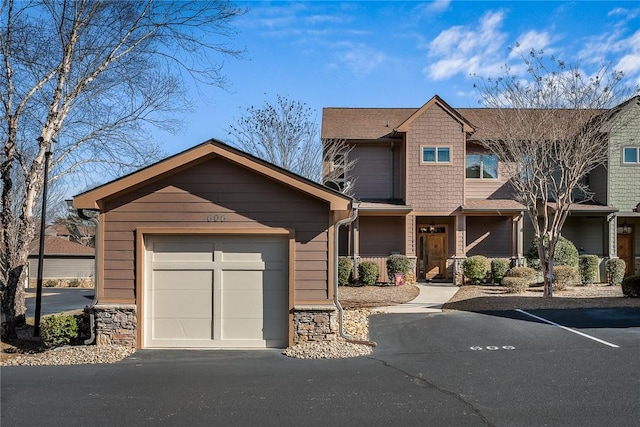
(347, 338)
(92, 320)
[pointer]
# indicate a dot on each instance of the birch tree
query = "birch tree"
(550, 129)
(91, 75)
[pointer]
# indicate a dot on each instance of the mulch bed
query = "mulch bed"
(352, 297)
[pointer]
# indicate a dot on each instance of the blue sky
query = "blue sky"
(399, 54)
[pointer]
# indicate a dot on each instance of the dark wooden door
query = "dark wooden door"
(436, 256)
(625, 252)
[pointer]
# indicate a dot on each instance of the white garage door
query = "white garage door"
(207, 291)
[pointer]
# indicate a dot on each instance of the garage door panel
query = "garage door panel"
(179, 304)
(187, 280)
(185, 329)
(183, 251)
(248, 250)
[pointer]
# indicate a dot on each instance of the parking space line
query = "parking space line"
(567, 329)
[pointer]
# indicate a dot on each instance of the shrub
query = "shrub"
(58, 330)
(499, 268)
(515, 284)
(475, 268)
(345, 265)
(615, 271)
(50, 283)
(368, 272)
(522, 272)
(565, 253)
(74, 283)
(588, 265)
(631, 286)
(398, 264)
(563, 276)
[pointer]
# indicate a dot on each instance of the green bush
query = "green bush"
(588, 265)
(475, 268)
(615, 270)
(50, 283)
(345, 265)
(631, 286)
(58, 330)
(522, 272)
(499, 268)
(563, 276)
(565, 253)
(398, 264)
(74, 283)
(368, 272)
(515, 284)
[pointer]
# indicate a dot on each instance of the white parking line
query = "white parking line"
(568, 329)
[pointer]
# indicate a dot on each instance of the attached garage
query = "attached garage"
(214, 248)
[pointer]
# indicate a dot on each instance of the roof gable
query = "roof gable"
(93, 199)
(436, 100)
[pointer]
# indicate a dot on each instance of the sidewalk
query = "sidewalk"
(430, 300)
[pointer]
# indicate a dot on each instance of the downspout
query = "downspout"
(347, 338)
(92, 320)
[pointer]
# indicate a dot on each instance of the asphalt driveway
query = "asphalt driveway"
(447, 369)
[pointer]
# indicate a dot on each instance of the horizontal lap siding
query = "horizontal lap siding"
(380, 236)
(373, 170)
(499, 188)
(489, 236)
(216, 187)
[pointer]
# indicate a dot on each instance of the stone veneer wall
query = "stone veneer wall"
(315, 323)
(115, 324)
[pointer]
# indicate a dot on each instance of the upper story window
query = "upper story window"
(631, 155)
(482, 166)
(436, 154)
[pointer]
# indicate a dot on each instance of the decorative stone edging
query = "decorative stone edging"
(115, 325)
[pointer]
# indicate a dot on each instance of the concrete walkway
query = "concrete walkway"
(430, 300)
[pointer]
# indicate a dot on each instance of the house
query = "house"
(211, 248)
(430, 191)
(63, 260)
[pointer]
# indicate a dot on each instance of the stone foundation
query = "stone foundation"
(458, 271)
(115, 324)
(315, 323)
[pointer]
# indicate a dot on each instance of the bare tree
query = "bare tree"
(92, 75)
(549, 131)
(284, 133)
(337, 163)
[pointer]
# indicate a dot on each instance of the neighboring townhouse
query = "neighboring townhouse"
(430, 191)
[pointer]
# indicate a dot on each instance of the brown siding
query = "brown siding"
(488, 188)
(433, 187)
(373, 169)
(380, 236)
(489, 236)
(587, 234)
(216, 187)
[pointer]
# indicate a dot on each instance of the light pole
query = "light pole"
(43, 221)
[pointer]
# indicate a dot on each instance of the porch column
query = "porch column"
(518, 240)
(613, 236)
(460, 237)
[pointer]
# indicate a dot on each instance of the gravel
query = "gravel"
(356, 326)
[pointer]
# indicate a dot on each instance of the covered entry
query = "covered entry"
(216, 291)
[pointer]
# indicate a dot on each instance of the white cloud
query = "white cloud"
(468, 49)
(532, 40)
(359, 58)
(438, 6)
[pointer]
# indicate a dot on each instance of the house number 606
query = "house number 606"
(216, 218)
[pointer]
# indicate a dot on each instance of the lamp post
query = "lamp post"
(43, 221)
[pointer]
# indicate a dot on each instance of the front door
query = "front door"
(625, 253)
(432, 255)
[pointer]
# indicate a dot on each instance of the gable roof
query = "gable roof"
(436, 100)
(376, 123)
(92, 199)
(54, 245)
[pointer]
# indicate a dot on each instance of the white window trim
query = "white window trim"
(637, 162)
(436, 162)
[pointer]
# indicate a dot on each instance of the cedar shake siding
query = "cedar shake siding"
(381, 236)
(189, 197)
(435, 187)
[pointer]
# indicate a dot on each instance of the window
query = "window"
(482, 166)
(436, 155)
(631, 155)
